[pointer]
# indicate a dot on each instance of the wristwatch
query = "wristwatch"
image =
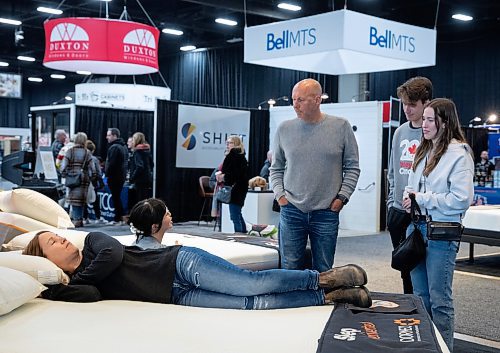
(342, 198)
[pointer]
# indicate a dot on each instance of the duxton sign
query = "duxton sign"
(202, 133)
(120, 95)
(340, 42)
(101, 46)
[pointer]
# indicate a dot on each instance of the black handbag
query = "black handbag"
(224, 194)
(411, 250)
(73, 180)
(450, 231)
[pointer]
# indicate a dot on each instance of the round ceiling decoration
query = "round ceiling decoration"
(101, 46)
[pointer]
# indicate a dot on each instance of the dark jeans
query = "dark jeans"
(116, 186)
(397, 223)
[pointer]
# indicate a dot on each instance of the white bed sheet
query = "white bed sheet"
(482, 218)
(137, 327)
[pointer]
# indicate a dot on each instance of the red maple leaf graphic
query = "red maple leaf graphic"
(412, 149)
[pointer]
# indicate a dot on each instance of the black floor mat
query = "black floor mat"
(468, 347)
(484, 265)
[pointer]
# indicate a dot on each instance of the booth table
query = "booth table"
(257, 210)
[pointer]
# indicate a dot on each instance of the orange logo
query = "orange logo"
(407, 322)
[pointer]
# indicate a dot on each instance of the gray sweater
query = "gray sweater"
(447, 192)
(404, 145)
(313, 162)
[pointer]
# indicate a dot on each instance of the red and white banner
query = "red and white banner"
(101, 46)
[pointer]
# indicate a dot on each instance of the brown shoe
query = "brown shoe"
(358, 296)
(344, 276)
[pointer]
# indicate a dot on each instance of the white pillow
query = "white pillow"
(35, 205)
(11, 225)
(40, 268)
(77, 237)
(16, 288)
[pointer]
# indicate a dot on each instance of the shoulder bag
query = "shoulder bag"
(450, 231)
(224, 194)
(74, 179)
(411, 250)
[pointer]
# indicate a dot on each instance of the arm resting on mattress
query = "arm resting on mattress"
(72, 293)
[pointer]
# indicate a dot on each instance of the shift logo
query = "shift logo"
(408, 330)
(346, 334)
(68, 40)
(393, 41)
(187, 132)
(139, 45)
(290, 39)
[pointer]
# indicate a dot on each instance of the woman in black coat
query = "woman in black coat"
(235, 174)
(141, 169)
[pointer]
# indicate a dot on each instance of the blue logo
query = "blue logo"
(187, 132)
(391, 40)
(289, 39)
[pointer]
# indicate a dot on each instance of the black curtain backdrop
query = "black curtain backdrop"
(178, 187)
(95, 122)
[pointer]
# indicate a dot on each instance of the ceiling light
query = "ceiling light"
(10, 22)
(226, 22)
(235, 40)
(461, 17)
(35, 79)
(188, 48)
(25, 58)
(81, 72)
(174, 32)
(3, 64)
(324, 96)
(49, 10)
(289, 7)
(58, 76)
(68, 98)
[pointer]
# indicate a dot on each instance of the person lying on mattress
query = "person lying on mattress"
(105, 269)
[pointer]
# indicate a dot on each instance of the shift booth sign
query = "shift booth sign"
(106, 203)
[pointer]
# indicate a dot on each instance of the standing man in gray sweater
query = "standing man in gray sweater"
(414, 94)
(314, 171)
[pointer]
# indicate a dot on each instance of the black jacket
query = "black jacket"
(117, 160)
(235, 170)
(141, 166)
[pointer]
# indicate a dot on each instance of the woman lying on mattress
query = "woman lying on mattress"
(105, 269)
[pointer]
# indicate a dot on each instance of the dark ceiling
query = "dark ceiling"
(196, 19)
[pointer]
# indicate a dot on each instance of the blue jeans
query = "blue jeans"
(206, 280)
(237, 218)
(432, 281)
(295, 227)
(77, 212)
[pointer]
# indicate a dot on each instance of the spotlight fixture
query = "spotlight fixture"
(225, 21)
(289, 7)
(174, 32)
(49, 10)
(9, 21)
(68, 98)
(325, 96)
(58, 76)
(25, 58)
(271, 102)
(235, 40)
(187, 48)
(462, 17)
(492, 118)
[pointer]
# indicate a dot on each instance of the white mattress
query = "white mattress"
(482, 218)
(244, 255)
(136, 327)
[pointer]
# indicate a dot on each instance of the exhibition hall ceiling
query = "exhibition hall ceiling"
(196, 19)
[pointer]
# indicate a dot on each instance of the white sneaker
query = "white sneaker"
(87, 221)
(101, 220)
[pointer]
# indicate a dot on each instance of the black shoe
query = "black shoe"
(358, 296)
(344, 276)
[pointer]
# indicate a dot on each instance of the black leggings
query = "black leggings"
(397, 222)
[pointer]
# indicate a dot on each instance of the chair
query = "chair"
(206, 192)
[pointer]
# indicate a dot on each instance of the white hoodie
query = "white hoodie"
(449, 188)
